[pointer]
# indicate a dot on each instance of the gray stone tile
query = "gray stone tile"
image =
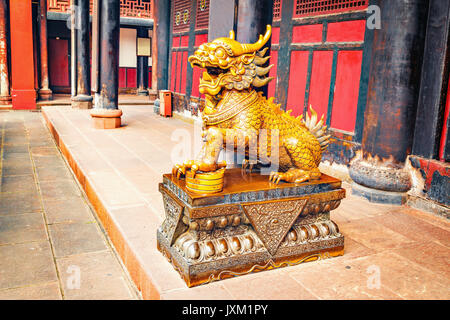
(59, 189)
(22, 228)
(75, 238)
(52, 173)
(46, 291)
(19, 183)
(17, 203)
(67, 210)
(26, 264)
(12, 167)
(100, 277)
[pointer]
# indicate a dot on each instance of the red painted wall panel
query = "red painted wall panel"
(175, 42)
(183, 73)
(58, 62)
(200, 39)
(307, 34)
(173, 72)
(196, 74)
(320, 82)
(345, 101)
(179, 70)
(276, 35)
(131, 78)
(184, 41)
(273, 73)
(297, 81)
(346, 31)
(122, 77)
(444, 128)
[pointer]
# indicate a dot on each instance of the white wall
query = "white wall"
(127, 48)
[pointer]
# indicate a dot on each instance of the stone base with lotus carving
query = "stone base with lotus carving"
(250, 226)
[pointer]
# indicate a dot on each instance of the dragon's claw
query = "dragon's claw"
(276, 177)
(245, 164)
(194, 166)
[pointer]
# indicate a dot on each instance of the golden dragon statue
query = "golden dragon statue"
(234, 111)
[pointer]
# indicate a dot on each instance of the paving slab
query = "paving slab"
(75, 238)
(46, 291)
(93, 276)
(26, 264)
(20, 228)
(19, 202)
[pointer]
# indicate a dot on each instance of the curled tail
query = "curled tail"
(317, 128)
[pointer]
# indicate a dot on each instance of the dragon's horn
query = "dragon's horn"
(260, 61)
(258, 82)
(232, 34)
(263, 71)
(262, 52)
(253, 47)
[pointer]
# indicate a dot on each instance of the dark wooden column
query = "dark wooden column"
(284, 59)
(5, 97)
(142, 66)
(162, 32)
(44, 91)
(106, 113)
(83, 98)
(392, 102)
(434, 82)
(252, 19)
(153, 92)
(222, 18)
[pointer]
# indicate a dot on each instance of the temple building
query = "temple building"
(377, 70)
(103, 105)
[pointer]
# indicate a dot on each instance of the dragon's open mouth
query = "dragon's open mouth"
(210, 81)
(215, 71)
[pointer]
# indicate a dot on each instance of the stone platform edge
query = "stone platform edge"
(141, 279)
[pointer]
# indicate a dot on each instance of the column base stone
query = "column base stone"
(106, 119)
(379, 196)
(142, 92)
(4, 100)
(45, 94)
(82, 102)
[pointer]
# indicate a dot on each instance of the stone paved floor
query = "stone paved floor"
(405, 249)
(51, 245)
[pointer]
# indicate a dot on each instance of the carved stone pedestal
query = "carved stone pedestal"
(106, 118)
(252, 225)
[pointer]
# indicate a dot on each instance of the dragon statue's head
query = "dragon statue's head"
(231, 65)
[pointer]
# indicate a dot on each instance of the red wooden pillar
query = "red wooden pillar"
(5, 98)
(22, 65)
(44, 91)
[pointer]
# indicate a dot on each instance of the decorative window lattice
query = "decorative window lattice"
(305, 8)
(128, 8)
(135, 8)
(202, 14)
(277, 9)
(181, 15)
(58, 5)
